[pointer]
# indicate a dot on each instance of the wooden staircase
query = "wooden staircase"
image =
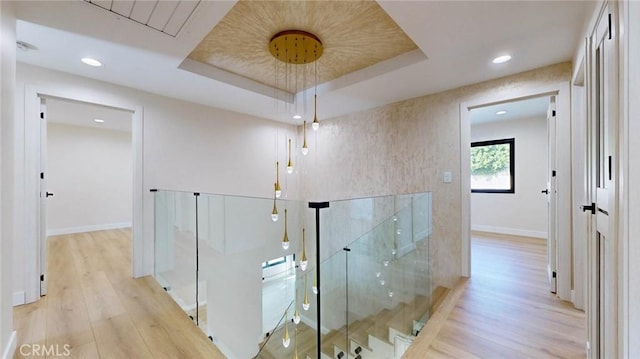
(382, 327)
(306, 343)
(374, 334)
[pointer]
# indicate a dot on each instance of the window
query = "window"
(274, 262)
(278, 261)
(493, 166)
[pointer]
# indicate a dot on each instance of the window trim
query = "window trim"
(512, 164)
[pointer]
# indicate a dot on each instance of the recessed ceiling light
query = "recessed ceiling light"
(501, 59)
(502, 112)
(297, 117)
(98, 120)
(91, 62)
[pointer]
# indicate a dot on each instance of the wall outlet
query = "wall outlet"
(447, 177)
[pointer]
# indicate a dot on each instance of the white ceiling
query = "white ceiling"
(529, 108)
(459, 39)
(83, 114)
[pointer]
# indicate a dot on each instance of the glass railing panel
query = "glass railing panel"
(333, 319)
(244, 298)
(175, 247)
(372, 294)
(420, 257)
(387, 291)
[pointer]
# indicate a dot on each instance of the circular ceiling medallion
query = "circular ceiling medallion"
(295, 47)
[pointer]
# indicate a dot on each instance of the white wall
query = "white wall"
(7, 92)
(525, 211)
(89, 171)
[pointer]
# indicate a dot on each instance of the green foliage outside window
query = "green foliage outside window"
(489, 160)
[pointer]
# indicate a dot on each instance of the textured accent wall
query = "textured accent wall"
(405, 147)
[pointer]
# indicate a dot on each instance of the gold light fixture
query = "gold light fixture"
(315, 124)
(314, 287)
(290, 163)
(296, 312)
(274, 213)
(295, 352)
(298, 47)
(305, 303)
(295, 47)
(305, 149)
(278, 190)
(285, 238)
(285, 339)
(303, 257)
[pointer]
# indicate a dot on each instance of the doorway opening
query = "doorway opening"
(36, 183)
(568, 252)
(86, 176)
(512, 160)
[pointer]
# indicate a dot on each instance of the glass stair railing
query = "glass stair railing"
(375, 282)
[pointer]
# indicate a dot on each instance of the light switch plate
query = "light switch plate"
(447, 177)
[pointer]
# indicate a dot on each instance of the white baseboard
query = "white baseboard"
(19, 298)
(98, 227)
(510, 231)
(10, 349)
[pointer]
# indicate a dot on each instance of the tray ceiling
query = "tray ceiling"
(355, 35)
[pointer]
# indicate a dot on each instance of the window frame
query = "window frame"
(512, 164)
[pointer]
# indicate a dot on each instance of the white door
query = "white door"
(552, 242)
(602, 127)
(44, 195)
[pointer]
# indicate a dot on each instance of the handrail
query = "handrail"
(274, 330)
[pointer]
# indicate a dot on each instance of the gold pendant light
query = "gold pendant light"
(285, 339)
(314, 287)
(303, 257)
(315, 124)
(278, 190)
(305, 148)
(296, 312)
(305, 303)
(274, 213)
(290, 163)
(285, 238)
(295, 352)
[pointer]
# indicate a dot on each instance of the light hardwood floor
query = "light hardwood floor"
(505, 310)
(95, 306)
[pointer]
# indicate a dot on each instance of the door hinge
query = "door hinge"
(41, 175)
(553, 274)
(553, 113)
(42, 115)
(553, 173)
(42, 277)
(610, 27)
(610, 163)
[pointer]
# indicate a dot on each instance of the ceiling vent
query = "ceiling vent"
(167, 17)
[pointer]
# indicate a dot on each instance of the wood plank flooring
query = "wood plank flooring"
(95, 306)
(505, 310)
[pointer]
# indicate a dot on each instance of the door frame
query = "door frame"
(562, 92)
(32, 259)
(629, 194)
